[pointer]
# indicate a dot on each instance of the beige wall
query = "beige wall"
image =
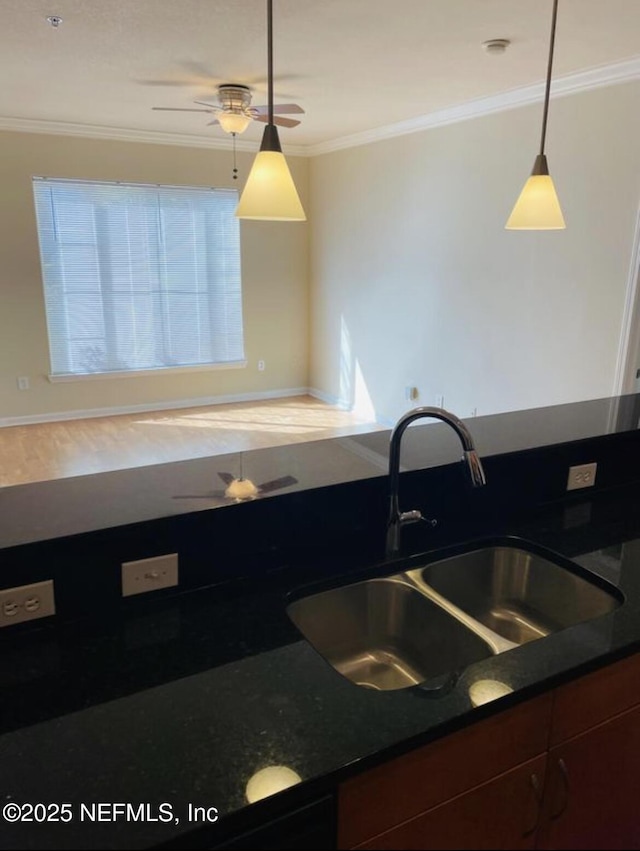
(416, 282)
(274, 272)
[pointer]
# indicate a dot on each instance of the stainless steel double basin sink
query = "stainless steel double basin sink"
(426, 622)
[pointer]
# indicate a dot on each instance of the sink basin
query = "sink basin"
(404, 629)
(384, 634)
(516, 593)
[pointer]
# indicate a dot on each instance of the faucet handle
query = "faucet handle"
(406, 517)
(415, 516)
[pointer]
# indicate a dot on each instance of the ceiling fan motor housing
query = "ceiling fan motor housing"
(234, 98)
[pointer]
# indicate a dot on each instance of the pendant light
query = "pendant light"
(270, 193)
(538, 207)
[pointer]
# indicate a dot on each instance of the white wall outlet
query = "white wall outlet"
(582, 476)
(149, 574)
(23, 383)
(27, 603)
(440, 400)
(261, 366)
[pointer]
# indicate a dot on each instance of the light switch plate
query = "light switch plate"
(149, 574)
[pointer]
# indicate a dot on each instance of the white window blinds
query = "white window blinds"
(139, 277)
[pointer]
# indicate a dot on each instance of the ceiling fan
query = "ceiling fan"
(234, 112)
(239, 489)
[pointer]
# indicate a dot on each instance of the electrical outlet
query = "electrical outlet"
(261, 366)
(27, 603)
(582, 476)
(410, 393)
(23, 383)
(149, 574)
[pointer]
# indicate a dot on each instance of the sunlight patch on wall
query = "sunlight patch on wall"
(362, 404)
(354, 393)
(346, 366)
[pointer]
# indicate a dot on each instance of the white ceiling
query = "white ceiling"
(353, 65)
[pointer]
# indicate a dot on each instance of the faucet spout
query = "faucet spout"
(397, 518)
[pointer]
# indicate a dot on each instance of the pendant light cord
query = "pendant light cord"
(547, 92)
(270, 56)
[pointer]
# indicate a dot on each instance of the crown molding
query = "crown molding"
(593, 78)
(123, 134)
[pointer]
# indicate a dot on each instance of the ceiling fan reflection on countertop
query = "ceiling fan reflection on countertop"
(239, 489)
(234, 112)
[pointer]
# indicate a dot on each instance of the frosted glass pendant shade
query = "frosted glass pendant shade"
(270, 193)
(538, 207)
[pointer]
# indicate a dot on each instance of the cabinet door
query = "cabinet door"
(384, 797)
(594, 698)
(591, 797)
(502, 813)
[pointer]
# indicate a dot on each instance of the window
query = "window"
(139, 277)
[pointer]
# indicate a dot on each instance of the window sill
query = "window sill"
(143, 373)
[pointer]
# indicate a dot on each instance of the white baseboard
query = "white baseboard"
(329, 398)
(57, 416)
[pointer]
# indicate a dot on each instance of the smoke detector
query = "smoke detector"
(495, 46)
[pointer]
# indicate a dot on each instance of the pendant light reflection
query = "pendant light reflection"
(484, 691)
(269, 781)
(537, 207)
(270, 193)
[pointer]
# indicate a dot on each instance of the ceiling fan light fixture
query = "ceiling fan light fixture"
(270, 193)
(537, 207)
(233, 122)
(241, 489)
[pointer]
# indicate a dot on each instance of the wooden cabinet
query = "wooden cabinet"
(593, 772)
(559, 771)
(411, 785)
(502, 813)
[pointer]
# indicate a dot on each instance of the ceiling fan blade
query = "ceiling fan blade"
(288, 108)
(210, 105)
(286, 122)
(211, 495)
(279, 109)
(276, 484)
(227, 478)
(215, 121)
(181, 83)
(283, 122)
(178, 109)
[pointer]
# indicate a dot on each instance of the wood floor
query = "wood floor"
(44, 451)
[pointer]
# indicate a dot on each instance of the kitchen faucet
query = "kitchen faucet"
(397, 518)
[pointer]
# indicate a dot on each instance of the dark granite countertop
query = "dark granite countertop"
(184, 699)
(79, 504)
(180, 698)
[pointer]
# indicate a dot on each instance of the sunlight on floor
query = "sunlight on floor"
(44, 451)
(286, 417)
